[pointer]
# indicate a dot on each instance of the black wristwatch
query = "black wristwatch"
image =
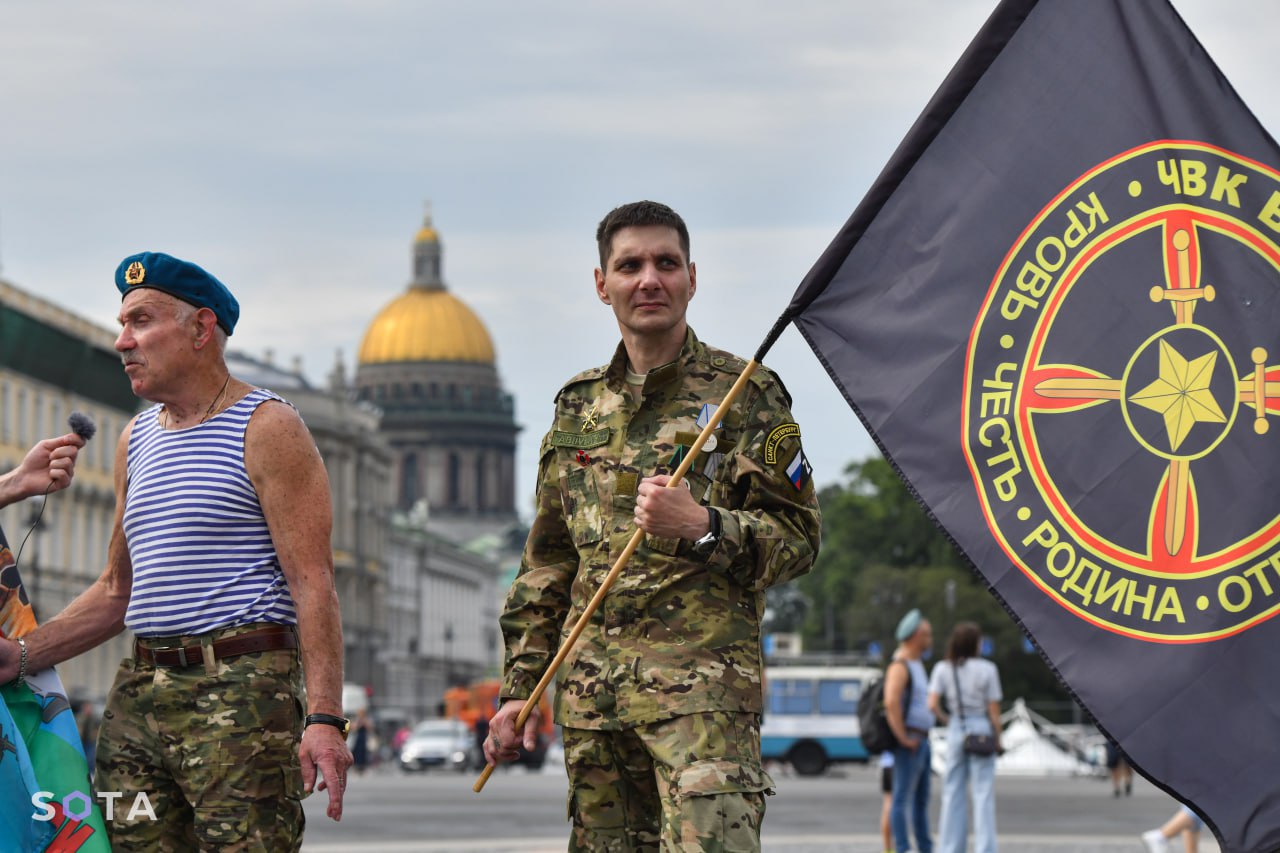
(708, 543)
(342, 724)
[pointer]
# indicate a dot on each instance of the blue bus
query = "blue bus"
(811, 715)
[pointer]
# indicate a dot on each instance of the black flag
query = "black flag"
(1057, 311)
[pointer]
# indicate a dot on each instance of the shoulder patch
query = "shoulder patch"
(799, 471)
(775, 437)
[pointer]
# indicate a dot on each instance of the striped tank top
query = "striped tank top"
(201, 552)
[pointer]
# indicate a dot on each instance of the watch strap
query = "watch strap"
(342, 724)
(712, 537)
(22, 661)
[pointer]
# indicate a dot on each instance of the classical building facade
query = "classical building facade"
(428, 363)
(441, 618)
(420, 453)
(358, 462)
(52, 363)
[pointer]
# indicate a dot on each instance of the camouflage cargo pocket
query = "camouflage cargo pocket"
(713, 776)
(584, 507)
(719, 806)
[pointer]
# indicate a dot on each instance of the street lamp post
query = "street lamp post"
(448, 655)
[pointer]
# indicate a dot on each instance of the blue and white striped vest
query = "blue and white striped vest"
(201, 552)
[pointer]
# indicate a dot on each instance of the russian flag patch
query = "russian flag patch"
(799, 470)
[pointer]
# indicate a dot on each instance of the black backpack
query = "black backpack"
(876, 734)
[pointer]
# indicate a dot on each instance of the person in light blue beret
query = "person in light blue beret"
(183, 279)
(906, 703)
(220, 565)
(908, 625)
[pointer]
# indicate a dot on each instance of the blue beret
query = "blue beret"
(908, 625)
(179, 278)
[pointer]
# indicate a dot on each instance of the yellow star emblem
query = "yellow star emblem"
(1181, 393)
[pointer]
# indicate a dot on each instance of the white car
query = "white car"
(438, 743)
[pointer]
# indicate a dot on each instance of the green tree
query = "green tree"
(882, 555)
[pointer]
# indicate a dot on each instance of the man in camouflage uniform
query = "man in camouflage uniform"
(661, 698)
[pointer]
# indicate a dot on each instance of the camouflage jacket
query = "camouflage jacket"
(679, 632)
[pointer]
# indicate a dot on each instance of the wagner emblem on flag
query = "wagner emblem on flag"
(1130, 312)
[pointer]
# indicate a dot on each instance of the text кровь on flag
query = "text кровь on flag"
(1058, 312)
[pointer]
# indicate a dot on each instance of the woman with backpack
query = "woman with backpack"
(971, 686)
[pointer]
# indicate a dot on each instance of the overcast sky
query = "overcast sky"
(289, 147)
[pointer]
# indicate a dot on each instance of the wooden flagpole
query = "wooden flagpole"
(683, 468)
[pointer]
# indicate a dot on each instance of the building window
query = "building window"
(21, 428)
(38, 406)
(480, 491)
(455, 472)
(104, 456)
(409, 480)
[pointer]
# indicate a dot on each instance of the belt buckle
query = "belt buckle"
(181, 650)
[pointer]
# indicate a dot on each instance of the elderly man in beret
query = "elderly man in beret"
(906, 706)
(220, 564)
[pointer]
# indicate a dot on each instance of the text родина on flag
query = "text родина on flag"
(1056, 312)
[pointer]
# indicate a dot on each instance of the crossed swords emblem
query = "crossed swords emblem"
(1181, 392)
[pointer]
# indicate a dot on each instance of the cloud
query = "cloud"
(289, 146)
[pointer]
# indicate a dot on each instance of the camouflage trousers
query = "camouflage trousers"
(685, 784)
(215, 748)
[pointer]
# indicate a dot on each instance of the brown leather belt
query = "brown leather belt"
(263, 640)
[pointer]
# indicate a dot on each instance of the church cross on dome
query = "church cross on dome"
(428, 255)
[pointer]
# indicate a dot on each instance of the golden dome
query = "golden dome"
(426, 234)
(426, 324)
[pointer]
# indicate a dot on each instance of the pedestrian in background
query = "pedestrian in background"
(480, 732)
(1184, 821)
(87, 723)
(971, 686)
(361, 731)
(912, 757)
(886, 804)
(1121, 772)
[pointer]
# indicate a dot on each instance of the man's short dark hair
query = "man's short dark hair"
(639, 214)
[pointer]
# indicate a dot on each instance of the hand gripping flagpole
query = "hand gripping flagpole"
(683, 468)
